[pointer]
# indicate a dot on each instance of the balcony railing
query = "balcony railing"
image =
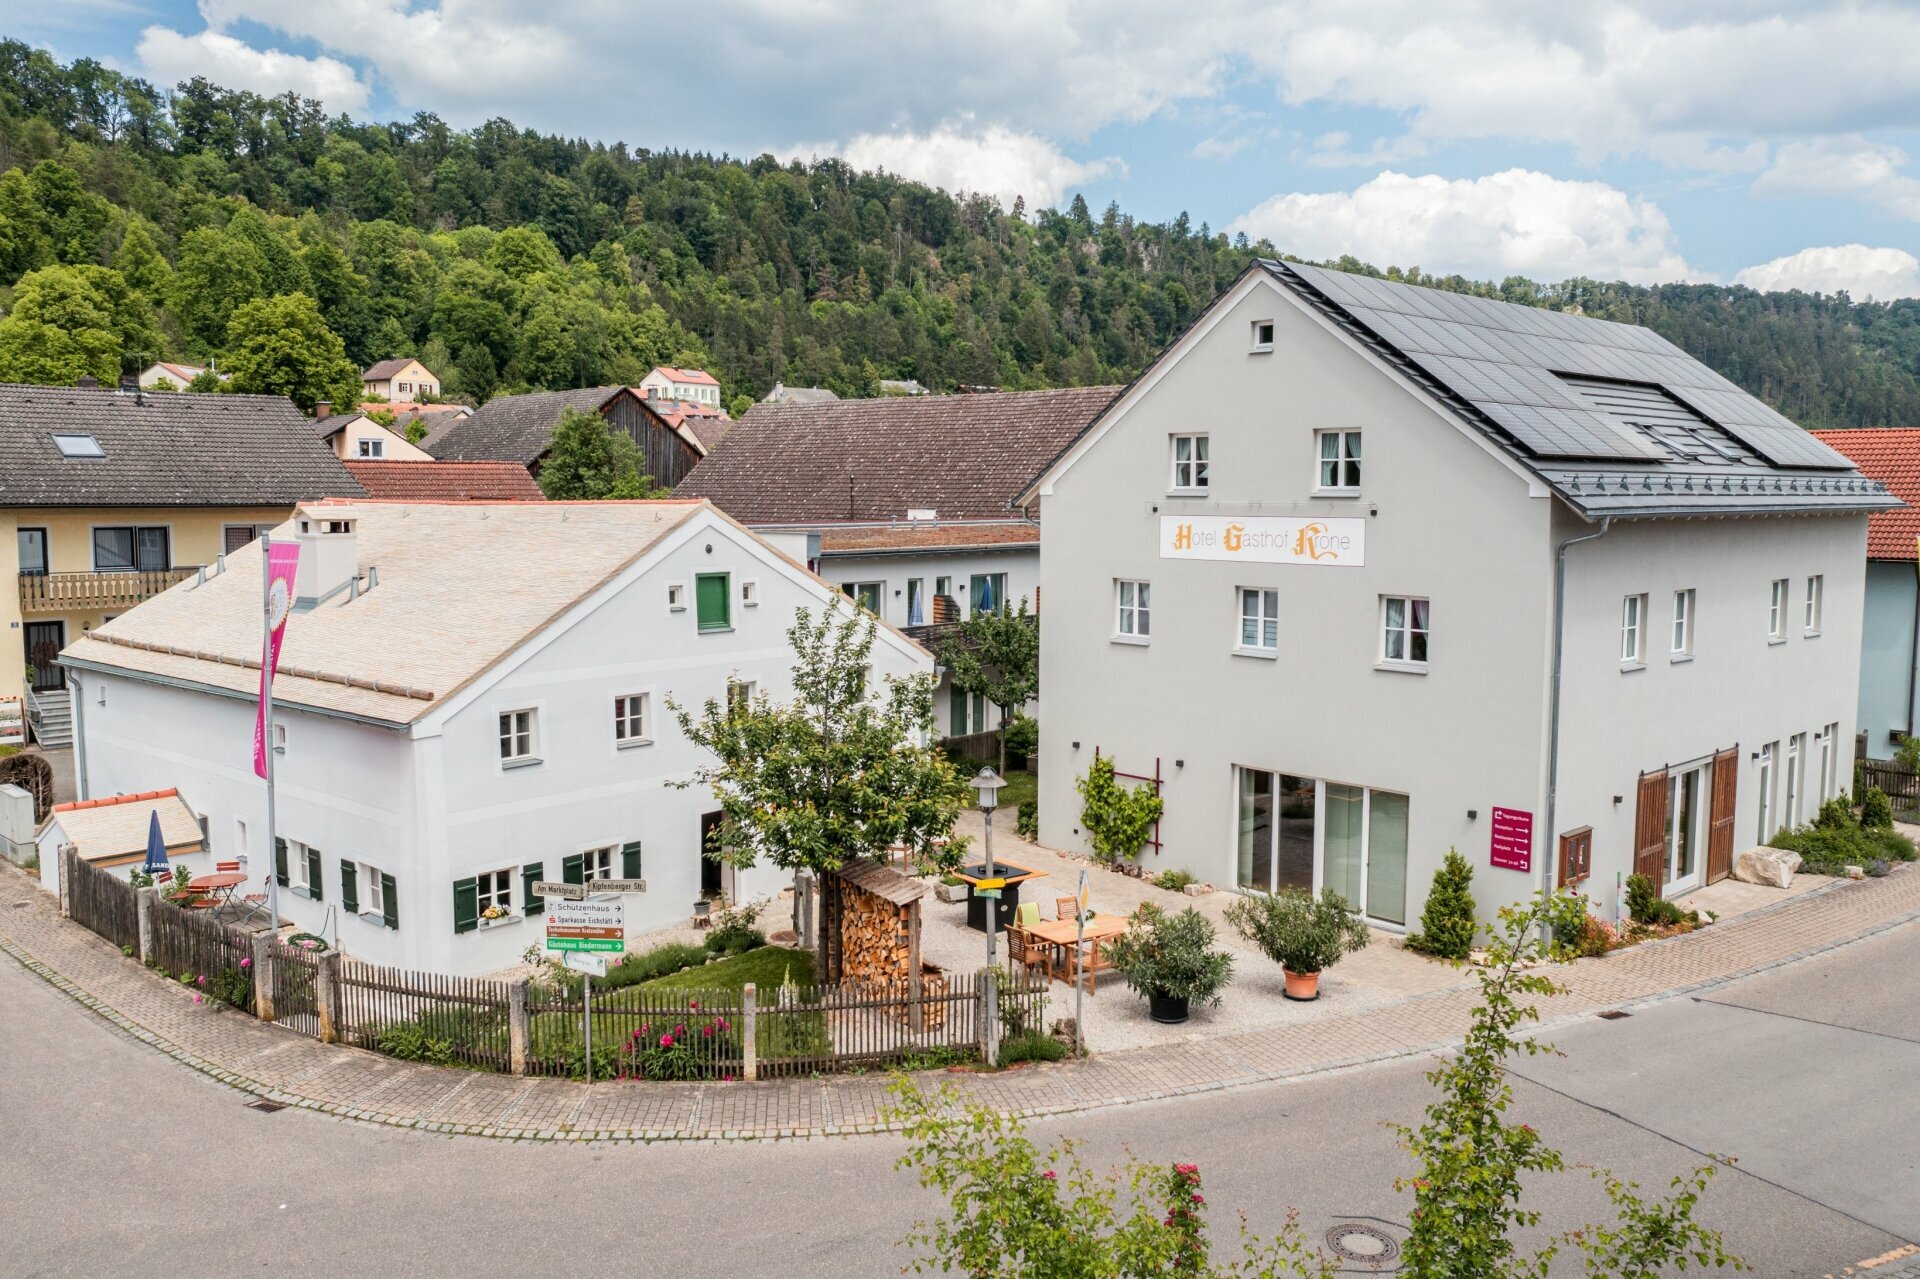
(90, 592)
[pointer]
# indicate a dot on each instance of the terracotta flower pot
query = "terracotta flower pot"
(1302, 986)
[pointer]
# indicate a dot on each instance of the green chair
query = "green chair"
(1026, 914)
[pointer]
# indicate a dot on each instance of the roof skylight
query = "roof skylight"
(74, 444)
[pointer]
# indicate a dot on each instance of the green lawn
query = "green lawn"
(766, 967)
(1021, 785)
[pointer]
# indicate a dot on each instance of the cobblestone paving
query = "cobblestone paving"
(279, 1064)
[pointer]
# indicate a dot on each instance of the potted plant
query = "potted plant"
(1302, 933)
(1171, 960)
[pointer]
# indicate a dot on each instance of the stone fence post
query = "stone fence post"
(263, 976)
(324, 990)
(989, 1016)
(143, 900)
(519, 1027)
(749, 1036)
(69, 857)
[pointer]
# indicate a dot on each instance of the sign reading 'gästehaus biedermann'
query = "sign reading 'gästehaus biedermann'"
(1259, 539)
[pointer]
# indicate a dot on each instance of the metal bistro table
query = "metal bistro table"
(1009, 899)
(217, 887)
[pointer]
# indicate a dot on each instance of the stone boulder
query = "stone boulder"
(1772, 867)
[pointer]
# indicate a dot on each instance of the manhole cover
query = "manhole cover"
(265, 1107)
(1353, 1242)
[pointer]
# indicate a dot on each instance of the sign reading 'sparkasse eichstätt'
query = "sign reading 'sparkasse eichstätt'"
(592, 926)
(1333, 542)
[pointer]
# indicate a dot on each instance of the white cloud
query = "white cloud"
(993, 161)
(1220, 147)
(1863, 272)
(1843, 166)
(1516, 222)
(170, 57)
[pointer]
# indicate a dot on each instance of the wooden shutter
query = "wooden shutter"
(349, 887)
(1726, 780)
(711, 605)
(630, 860)
(466, 905)
(573, 870)
(531, 874)
(1576, 856)
(280, 874)
(389, 904)
(1650, 830)
(316, 876)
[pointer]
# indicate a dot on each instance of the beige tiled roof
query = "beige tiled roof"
(117, 827)
(461, 585)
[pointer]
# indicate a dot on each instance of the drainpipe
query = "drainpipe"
(1553, 713)
(1913, 649)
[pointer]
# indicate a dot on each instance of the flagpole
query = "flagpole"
(266, 696)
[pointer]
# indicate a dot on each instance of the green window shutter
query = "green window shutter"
(531, 874)
(466, 905)
(630, 860)
(389, 904)
(573, 870)
(712, 601)
(957, 720)
(349, 887)
(315, 877)
(280, 875)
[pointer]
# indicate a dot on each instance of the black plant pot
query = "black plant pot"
(1168, 1010)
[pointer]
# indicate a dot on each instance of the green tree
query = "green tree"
(996, 654)
(60, 329)
(590, 459)
(213, 278)
(841, 771)
(281, 346)
(23, 234)
(140, 262)
(1448, 922)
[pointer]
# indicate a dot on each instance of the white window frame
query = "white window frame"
(633, 720)
(371, 898)
(1816, 603)
(597, 863)
(1633, 632)
(1406, 631)
(1777, 612)
(1132, 610)
(1198, 464)
(297, 868)
(530, 731)
(370, 448)
(494, 888)
(852, 591)
(1266, 615)
(676, 597)
(741, 692)
(749, 592)
(1260, 337)
(1681, 640)
(1348, 455)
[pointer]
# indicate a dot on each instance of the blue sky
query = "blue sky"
(1760, 141)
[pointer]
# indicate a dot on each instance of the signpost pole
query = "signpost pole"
(1079, 940)
(266, 620)
(586, 1016)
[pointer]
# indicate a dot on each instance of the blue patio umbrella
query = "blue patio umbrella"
(156, 863)
(984, 602)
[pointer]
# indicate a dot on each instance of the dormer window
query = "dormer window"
(1262, 336)
(74, 444)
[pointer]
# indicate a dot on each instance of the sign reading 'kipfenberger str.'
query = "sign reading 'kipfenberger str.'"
(1338, 543)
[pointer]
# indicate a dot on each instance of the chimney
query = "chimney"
(322, 410)
(88, 381)
(329, 557)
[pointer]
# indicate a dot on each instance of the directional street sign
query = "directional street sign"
(617, 886)
(595, 965)
(592, 926)
(998, 881)
(986, 892)
(549, 888)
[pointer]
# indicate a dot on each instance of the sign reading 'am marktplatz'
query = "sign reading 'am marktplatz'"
(1260, 539)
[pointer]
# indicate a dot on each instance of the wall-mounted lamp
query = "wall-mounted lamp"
(896, 593)
(1619, 799)
(1179, 763)
(1473, 814)
(1372, 510)
(1076, 746)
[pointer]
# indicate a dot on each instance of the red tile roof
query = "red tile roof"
(698, 376)
(914, 537)
(1892, 456)
(141, 797)
(446, 481)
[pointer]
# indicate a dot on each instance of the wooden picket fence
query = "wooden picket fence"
(423, 1016)
(101, 900)
(192, 945)
(1901, 784)
(296, 988)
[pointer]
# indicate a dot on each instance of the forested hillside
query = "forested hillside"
(137, 223)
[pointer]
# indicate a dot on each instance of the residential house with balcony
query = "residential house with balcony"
(1456, 574)
(906, 503)
(403, 379)
(519, 428)
(695, 386)
(108, 497)
(472, 698)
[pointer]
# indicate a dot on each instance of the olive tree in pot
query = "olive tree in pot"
(1302, 933)
(1171, 960)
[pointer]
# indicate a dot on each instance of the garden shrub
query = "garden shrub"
(410, 1041)
(1032, 1045)
(1876, 810)
(1836, 840)
(1172, 880)
(232, 986)
(1118, 819)
(733, 931)
(1646, 906)
(1023, 735)
(646, 965)
(1026, 822)
(1448, 923)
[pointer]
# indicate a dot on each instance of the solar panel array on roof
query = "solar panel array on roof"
(1666, 421)
(1505, 361)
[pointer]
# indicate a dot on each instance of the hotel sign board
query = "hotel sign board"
(1259, 539)
(1512, 839)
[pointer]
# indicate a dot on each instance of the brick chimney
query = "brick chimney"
(322, 409)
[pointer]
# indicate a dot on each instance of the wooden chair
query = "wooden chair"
(1022, 946)
(1066, 907)
(227, 868)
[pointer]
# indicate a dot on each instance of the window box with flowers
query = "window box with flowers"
(498, 917)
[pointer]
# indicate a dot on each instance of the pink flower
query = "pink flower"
(1196, 1199)
(727, 1078)
(706, 1032)
(666, 1041)
(680, 1030)
(645, 1029)
(693, 1005)
(1049, 1175)
(1186, 1170)
(199, 999)
(246, 961)
(200, 981)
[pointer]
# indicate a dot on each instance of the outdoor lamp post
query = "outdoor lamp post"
(987, 786)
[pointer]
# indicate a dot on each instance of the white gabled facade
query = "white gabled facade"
(431, 813)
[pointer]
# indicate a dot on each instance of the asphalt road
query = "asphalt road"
(117, 1161)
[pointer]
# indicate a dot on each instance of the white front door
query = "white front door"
(1689, 795)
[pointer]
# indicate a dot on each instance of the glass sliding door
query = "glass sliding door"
(1687, 797)
(1344, 858)
(1293, 866)
(1255, 869)
(1386, 898)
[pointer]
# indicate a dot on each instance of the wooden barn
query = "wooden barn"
(517, 428)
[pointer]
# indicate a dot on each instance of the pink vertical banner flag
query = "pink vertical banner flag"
(282, 559)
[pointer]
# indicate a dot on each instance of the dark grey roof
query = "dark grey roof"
(162, 449)
(386, 369)
(1618, 420)
(515, 428)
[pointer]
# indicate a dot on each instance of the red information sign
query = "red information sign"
(1512, 839)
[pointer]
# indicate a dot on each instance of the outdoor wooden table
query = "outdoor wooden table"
(217, 887)
(1061, 934)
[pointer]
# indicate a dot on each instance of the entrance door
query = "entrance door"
(44, 642)
(1687, 799)
(712, 870)
(1726, 774)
